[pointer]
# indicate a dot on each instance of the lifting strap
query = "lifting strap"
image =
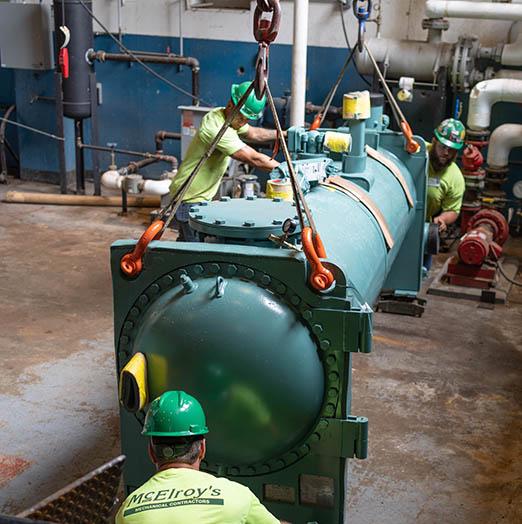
(396, 172)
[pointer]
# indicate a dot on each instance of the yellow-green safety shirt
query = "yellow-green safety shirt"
(445, 190)
(206, 183)
(186, 496)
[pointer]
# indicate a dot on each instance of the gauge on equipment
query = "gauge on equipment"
(517, 190)
(289, 226)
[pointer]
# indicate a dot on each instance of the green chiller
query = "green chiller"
(235, 323)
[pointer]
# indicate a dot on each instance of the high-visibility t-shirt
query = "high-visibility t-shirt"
(185, 496)
(445, 190)
(206, 183)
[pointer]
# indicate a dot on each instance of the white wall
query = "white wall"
(401, 19)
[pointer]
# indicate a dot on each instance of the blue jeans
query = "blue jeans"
(181, 223)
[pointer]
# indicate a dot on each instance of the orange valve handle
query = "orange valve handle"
(316, 124)
(321, 278)
(411, 145)
(132, 263)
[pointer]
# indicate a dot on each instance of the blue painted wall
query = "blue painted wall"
(136, 104)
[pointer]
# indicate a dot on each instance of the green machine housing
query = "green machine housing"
(234, 322)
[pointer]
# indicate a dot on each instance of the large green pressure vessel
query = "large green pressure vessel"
(235, 322)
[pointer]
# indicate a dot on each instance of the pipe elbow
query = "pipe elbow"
(112, 179)
(485, 95)
(435, 9)
(505, 138)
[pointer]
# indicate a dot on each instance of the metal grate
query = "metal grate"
(89, 500)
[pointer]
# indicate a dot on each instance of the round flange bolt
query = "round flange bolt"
(188, 284)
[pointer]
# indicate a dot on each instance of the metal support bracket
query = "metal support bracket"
(345, 438)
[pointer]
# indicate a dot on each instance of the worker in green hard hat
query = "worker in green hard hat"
(179, 493)
(445, 181)
(206, 184)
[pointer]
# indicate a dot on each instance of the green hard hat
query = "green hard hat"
(253, 107)
(175, 414)
(451, 133)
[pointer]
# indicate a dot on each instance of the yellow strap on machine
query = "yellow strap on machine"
(133, 384)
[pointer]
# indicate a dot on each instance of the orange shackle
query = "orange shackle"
(321, 278)
(132, 263)
(411, 145)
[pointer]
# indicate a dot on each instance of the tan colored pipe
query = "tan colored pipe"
(17, 197)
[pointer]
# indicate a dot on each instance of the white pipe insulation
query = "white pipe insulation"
(512, 53)
(418, 59)
(114, 180)
(470, 9)
(501, 142)
(299, 50)
(156, 187)
(486, 94)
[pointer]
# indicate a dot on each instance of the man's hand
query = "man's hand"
(440, 222)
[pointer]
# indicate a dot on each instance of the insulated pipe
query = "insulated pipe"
(486, 94)
(17, 197)
(512, 53)
(481, 10)
(154, 58)
(509, 73)
(502, 141)
(419, 59)
(299, 49)
(156, 187)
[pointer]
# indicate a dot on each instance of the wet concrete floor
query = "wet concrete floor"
(443, 393)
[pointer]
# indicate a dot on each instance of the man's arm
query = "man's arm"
(260, 134)
(445, 219)
(252, 157)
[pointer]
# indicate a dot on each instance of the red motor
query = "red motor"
(487, 231)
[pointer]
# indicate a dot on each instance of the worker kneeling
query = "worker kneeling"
(179, 493)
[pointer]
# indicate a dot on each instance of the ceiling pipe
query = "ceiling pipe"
(472, 9)
(486, 94)
(505, 138)
(299, 50)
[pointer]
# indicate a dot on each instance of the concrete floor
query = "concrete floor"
(443, 393)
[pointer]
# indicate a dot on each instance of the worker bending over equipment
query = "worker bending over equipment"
(445, 181)
(206, 184)
(179, 493)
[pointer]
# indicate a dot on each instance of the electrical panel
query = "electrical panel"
(26, 36)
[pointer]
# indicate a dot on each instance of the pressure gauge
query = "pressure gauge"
(517, 189)
(289, 226)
